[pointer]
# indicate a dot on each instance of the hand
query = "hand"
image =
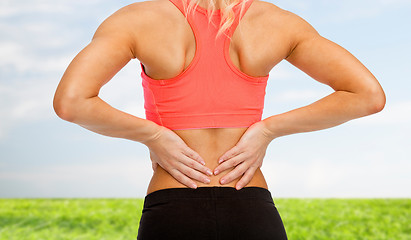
(246, 156)
(169, 151)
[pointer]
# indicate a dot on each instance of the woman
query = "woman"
(204, 80)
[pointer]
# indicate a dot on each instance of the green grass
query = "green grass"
(90, 219)
(73, 219)
(347, 219)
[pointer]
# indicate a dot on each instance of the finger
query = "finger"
(194, 155)
(248, 175)
(234, 174)
(182, 178)
(229, 164)
(195, 165)
(229, 154)
(193, 174)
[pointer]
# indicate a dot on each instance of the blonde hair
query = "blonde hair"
(226, 12)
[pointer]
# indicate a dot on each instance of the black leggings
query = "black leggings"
(210, 213)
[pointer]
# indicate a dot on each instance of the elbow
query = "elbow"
(63, 107)
(379, 103)
(375, 101)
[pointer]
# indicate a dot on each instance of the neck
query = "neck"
(205, 3)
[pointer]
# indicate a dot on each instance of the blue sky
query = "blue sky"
(44, 156)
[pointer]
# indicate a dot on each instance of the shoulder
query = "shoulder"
(126, 25)
(276, 16)
(139, 16)
(139, 13)
(291, 26)
(153, 8)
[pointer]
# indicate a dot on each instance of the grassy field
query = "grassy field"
(90, 219)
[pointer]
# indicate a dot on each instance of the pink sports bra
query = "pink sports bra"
(211, 92)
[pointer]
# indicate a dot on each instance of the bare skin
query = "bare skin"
(182, 158)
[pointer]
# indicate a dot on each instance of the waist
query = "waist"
(214, 192)
(163, 180)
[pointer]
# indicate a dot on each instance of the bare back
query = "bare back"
(166, 47)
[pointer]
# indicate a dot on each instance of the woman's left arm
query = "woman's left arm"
(357, 94)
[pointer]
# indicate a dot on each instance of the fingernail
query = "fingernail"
(194, 186)
(209, 172)
(219, 161)
(216, 172)
(202, 162)
(207, 180)
(222, 181)
(238, 187)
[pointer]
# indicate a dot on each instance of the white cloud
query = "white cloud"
(125, 92)
(107, 178)
(342, 11)
(9, 8)
(354, 10)
(17, 59)
(136, 109)
(33, 57)
(395, 2)
(27, 101)
(280, 72)
(299, 5)
(333, 177)
(23, 102)
(394, 115)
(8, 49)
(284, 71)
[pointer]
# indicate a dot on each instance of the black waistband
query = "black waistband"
(207, 192)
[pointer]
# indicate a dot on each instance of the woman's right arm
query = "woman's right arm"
(76, 100)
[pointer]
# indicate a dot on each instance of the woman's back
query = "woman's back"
(166, 46)
(159, 36)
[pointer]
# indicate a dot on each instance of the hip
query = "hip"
(209, 213)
